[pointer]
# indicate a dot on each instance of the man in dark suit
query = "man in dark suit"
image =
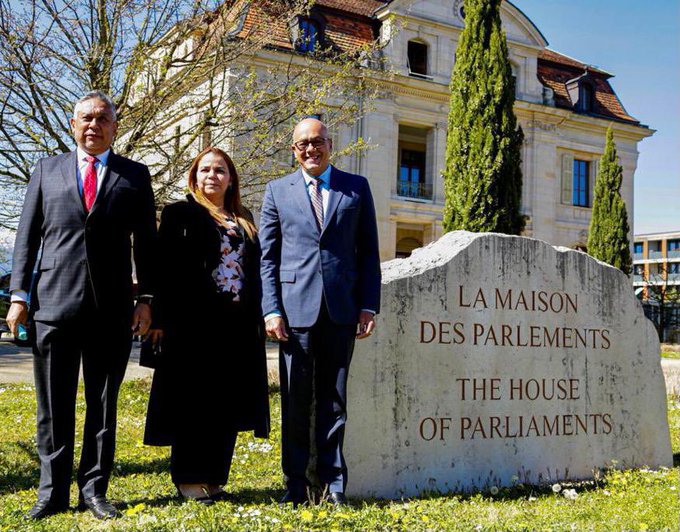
(80, 210)
(321, 290)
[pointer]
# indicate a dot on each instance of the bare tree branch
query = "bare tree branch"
(183, 73)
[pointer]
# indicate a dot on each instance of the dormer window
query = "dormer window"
(585, 100)
(310, 35)
(582, 92)
(417, 59)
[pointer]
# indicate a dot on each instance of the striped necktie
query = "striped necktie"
(317, 201)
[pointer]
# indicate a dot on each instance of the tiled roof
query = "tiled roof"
(342, 32)
(277, 27)
(349, 25)
(365, 8)
(346, 33)
(556, 57)
(555, 69)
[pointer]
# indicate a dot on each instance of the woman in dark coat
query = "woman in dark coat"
(210, 380)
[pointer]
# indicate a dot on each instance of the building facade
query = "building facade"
(563, 106)
(656, 260)
(656, 278)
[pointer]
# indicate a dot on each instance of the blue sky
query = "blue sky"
(638, 42)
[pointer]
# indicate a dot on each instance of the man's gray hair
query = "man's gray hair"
(96, 95)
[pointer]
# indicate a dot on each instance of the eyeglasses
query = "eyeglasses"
(318, 142)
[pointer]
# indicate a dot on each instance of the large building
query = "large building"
(563, 105)
(656, 277)
(656, 259)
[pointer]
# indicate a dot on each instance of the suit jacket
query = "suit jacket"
(77, 248)
(301, 263)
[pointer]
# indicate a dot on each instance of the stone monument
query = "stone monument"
(501, 359)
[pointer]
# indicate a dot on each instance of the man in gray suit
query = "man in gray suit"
(321, 290)
(80, 211)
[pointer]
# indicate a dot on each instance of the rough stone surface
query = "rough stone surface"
(502, 359)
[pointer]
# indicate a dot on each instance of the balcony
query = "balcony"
(674, 254)
(638, 278)
(673, 277)
(655, 255)
(638, 256)
(414, 190)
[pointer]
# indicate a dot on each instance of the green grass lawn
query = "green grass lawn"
(670, 354)
(141, 488)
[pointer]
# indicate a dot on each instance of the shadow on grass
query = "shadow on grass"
(676, 460)
(25, 472)
(507, 494)
(246, 496)
(259, 496)
(123, 468)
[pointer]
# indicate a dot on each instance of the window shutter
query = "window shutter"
(593, 177)
(567, 179)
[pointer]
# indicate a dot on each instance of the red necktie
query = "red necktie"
(90, 182)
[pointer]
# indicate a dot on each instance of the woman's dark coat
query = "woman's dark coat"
(211, 376)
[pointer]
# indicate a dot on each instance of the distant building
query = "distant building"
(656, 278)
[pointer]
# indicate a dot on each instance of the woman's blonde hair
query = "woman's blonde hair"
(232, 197)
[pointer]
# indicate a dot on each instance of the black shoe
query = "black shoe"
(44, 508)
(294, 499)
(100, 507)
(337, 498)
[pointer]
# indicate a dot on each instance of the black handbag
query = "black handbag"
(150, 354)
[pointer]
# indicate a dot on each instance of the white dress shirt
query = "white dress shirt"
(99, 165)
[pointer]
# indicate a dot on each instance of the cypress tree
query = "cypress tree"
(483, 176)
(608, 233)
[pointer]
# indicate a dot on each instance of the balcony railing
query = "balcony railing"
(409, 189)
(672, 277)
(638, 278)
(638, 256)
(674, 254)
(655, 255)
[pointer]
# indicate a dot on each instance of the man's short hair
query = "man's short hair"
(96, 95)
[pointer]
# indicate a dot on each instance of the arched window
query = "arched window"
(417, 58)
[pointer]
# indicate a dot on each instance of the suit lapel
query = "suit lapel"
(299, 191)
(69, 173)
(111, 177)
(334, 196)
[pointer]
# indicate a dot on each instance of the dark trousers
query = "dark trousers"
(313, 366)
(104, 345)
(202, 461)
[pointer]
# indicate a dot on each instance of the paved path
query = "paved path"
(16, 364)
